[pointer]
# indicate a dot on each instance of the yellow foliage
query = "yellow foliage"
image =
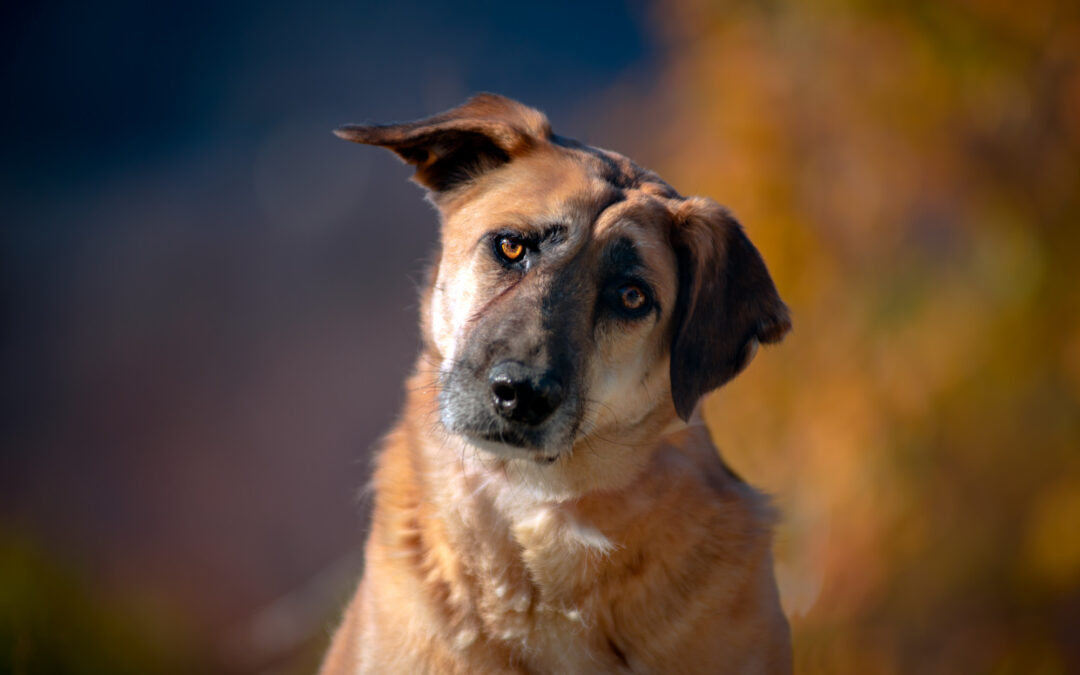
(910, 172)
(1053, 546)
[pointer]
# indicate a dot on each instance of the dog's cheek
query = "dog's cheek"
(452, 303)
(626, 381)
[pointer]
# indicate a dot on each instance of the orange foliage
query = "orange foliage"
(911, 173)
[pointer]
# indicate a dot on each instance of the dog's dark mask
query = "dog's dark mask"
(517, 380)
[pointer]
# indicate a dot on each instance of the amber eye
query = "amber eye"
(632, 297)
(511, 249)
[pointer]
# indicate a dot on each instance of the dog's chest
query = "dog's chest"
(543, 599)
(554, 632)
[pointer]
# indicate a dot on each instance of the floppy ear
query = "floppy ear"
(452, 147)
(726, 304)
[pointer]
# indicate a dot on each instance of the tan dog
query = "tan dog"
(541, 507)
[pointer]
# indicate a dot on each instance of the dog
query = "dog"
(549, 501)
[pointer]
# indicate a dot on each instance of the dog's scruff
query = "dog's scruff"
(542, 506)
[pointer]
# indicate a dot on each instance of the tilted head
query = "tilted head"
(577, 296)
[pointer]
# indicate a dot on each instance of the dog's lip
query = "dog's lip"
(499, 444)
(505, 437)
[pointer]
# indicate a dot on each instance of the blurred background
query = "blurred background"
(208, 306)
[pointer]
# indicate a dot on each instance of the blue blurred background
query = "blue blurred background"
(209, 300)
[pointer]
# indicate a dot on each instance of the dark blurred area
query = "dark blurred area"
(209, 306)
(209, 303)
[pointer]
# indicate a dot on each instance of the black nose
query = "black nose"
(523, 394)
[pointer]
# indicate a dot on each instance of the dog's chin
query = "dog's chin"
(503, 448)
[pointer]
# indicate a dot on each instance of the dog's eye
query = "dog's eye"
(510, 249)
(632, 297)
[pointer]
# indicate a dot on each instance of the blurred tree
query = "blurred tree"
(910, 172)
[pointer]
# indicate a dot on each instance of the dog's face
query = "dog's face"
(551, 304)
(577, 296)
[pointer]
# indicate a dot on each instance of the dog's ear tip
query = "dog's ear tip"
(357, 133)
(774, 331)
(685, 394)
(346, 131)
(684, 415)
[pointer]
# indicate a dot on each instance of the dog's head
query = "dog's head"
(577, 295)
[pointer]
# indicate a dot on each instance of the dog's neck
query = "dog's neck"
(603, 463)
(558, 506)
(508, 516)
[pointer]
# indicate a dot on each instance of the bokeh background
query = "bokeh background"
(208, 305)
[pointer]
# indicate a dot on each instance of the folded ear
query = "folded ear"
(452, 147)
(727, 302)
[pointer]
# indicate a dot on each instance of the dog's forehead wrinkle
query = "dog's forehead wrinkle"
(603, 200)
(635, 207)
(583, 209)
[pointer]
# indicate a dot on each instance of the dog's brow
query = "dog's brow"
(622, 255)
(554, 233)
(534, 233)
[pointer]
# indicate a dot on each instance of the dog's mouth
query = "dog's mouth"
(509, 437)
(511, 445)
